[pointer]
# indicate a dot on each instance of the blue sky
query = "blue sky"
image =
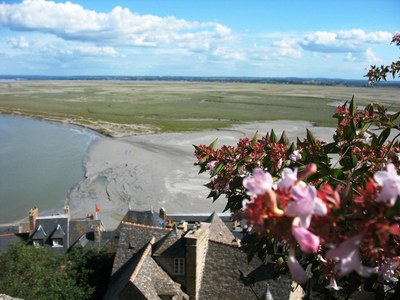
(333, 39)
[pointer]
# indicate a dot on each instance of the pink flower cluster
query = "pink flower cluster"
(291, 200)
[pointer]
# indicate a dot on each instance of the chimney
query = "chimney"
(162, 214)
(170, 223)
(97, 233)
(66, 210)
(196, 249)
(33, 213)
(182, 225)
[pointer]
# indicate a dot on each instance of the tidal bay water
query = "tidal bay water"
(39, 163)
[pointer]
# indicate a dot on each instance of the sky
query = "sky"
(252, 38)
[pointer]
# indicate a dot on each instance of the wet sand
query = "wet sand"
(152, 171)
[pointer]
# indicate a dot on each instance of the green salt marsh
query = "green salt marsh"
(139, 107)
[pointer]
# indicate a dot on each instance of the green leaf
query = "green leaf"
(213, 145)
(366, 126)
(348, 162)
(331, 148)
(360, 171)
(267, 162)
(338, 173)
(204, 159)
(349, 134)
(383, 136)
(198, 149)
(255, 139)
(291, 149)
(394, 116)
(273, 137)
(284, 139)
(311, 138)
(353, 106)
(393, 211)
(218, 169)
(214, 195)
(353, 126)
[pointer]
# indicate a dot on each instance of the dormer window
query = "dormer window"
(58, 242)
(57, 237)
(179, 266)
(37, 243)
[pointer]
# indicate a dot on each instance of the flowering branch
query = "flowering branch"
(338, 218)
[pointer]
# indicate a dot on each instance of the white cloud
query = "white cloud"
(344, 41)
(371, 56)
(287, 48)
(18, 43)
(119, 27)
(96, 51)
(228, 54)
(350, 57)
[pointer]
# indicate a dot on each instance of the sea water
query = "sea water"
(39, 163)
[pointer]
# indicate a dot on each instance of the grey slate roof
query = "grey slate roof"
(80, 227)
(147, 217)
(39, 233)
(9, 228)
(82, 242)
(197, 217)
(170, 245)
(222, 276)
(132, 238)
(47, 226)
(142, 278)
(58, 233)
(226, 273)
(121, 278)
(218, 230)
(151, 280)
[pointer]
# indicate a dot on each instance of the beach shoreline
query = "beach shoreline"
(147, 172)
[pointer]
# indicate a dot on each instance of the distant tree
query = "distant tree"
(37, 273)
(377, 73)
(92, 267)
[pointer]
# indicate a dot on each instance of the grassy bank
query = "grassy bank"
(126, 107)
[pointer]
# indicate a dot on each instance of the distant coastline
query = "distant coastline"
(244, 79)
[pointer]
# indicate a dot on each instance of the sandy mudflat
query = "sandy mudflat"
(153, 171)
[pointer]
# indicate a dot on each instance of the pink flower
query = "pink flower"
(349, 257)
(211, 166)
(288, 179)
(279, 163)
(295, 155)
(367, 137)
(308, 241)
(305, 203)
(259, 183)
(390, 183)
(296, 270)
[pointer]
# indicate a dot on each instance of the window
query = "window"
(179, 266)
(58, 242)
(38, 243)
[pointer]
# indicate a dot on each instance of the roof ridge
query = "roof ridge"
(145, 226)
(142, 258)
(234, 245)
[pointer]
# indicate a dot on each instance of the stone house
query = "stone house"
(183, 261)
(60, 232)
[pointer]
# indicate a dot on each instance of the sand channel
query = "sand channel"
(152, 171)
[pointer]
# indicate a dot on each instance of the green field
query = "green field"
(148, 106)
